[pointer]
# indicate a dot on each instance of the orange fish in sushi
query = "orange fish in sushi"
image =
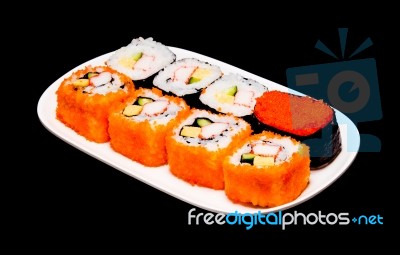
(86, 98)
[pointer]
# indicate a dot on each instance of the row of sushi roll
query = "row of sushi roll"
(216, 130)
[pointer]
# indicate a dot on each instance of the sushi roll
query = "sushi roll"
(138, 128)
(141, 59)
(199, 143)
(267, 170)
(233, 94)
(186, 78)
(306, 119)
(86, 98)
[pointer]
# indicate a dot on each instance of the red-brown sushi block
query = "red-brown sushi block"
(303, 118)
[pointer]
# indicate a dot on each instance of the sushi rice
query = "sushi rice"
(233, 94)
(141, 58)
(186, 76)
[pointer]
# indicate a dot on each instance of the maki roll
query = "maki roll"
(267, 170)
(141, 59)
(186, 78)
(199, 143)
(86, 98)
(306, 119)
(138, 128)
(233, 94)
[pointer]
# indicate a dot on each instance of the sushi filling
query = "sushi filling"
(190, 74)
(98, 83)
(211, 131)
(204, 128)
(265, 152)
(234, 97)
(138, 61)
(186, 76)
(233, 94)
(152, 108)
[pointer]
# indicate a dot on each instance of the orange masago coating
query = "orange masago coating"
(198, 165)
(267, 186)
(87, 113)
(143, 141)
(298, 115)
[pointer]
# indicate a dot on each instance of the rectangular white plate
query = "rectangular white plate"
(160, 177)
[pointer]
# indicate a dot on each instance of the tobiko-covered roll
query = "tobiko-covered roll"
(199, 144)
(233, 94)
(306, 119)
(266, 170)
(86, 98)
(138, 129)
(141, 59)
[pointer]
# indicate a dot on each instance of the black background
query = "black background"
(77, 198)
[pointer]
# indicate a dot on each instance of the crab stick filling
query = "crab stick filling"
(268, 152)
(98, 83)
(235, 96)
(190, 74)
(138, 61)
(146, 106)
(151, 107)
(204, 128)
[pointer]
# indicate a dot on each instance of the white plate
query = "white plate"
(160, 177)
